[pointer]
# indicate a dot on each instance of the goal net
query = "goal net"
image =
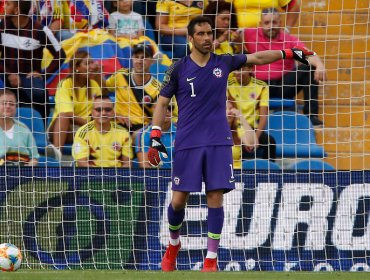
(77, 191)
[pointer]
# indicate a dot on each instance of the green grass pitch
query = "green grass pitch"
(178, 275)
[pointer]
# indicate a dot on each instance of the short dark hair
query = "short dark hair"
(76, 60)
(195, 21)
(146, 49)
(266, 11)
(24, 6)
(102, 97)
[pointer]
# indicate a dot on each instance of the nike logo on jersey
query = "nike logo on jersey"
(231, 180)
(155, 143)
(190, 79)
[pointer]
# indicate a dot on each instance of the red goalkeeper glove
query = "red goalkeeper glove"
(157, 149)
(298, 53)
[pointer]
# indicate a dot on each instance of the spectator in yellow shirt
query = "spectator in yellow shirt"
(136, 89)
(251, 97)
(243, 135)
(249, 12)
(171, 22)
(102, 142)
(73, 102)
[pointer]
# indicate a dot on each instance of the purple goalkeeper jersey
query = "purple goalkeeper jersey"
(201, 97)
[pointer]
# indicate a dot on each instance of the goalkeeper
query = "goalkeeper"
(203, 138)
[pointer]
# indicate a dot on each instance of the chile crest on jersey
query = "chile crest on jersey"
(217, 72)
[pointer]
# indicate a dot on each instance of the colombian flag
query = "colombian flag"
(113, 53)
(87, 14)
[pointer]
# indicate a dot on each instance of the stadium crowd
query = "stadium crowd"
(45, 64)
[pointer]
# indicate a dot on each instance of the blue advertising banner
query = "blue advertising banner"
(116, 218)
(273, 222)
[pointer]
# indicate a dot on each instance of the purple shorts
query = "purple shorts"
(212, 165)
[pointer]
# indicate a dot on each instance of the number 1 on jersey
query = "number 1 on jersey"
(192, 89)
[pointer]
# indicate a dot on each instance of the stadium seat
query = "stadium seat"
(280, 104)
(49, 118)
(48, 161)
(52, 100)
(149, 31)
(311, 165)
(259, 164)
(138, 7)
(67, 149)
(294, 135)
(34, 122)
